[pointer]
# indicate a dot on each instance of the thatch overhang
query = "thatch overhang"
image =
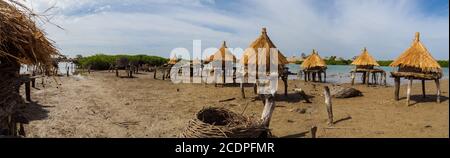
(365, 60)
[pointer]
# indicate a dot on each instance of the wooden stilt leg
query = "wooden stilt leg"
(325, 76)
(408, 92)
(397, 88)
(285, 81)
(28, 91)
(305, 76)
(320, 76)
(368, 78)
(438, 87)
(117, 72)
(423, 89)
(384, 78)
(154, 74)
(364, 77)
(255, 89)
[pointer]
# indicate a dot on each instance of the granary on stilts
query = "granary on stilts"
(261, 49)
(21, 42)
(365, 64)
(223, 63)
(314, 66)
(166, 68)
(416, 63)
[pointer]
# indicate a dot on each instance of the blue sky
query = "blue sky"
(333, 27)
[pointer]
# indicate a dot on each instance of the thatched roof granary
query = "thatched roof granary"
(313, 62)
(173, 61)
(263, 43)
(365, 59)
(21, 42)
(365, 64)
(416, 63)
(222, 55)
(417, 59)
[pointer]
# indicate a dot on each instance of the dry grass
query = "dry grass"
(222, 55)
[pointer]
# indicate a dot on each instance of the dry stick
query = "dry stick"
(329, 105)
(408, 92)
(438, 87)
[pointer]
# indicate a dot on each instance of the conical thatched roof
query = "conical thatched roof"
(222, 55)
(21, 40)
(417, 56)
(262, 42)
(313, 61)
(365, 59)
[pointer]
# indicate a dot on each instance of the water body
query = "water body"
(341, 73)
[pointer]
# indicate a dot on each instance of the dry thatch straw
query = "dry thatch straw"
(173, 61)
(214, 122)
(365, 59)
(223, 55)
(417, 57)
(21, 40)
(263, 43)
(314, 61)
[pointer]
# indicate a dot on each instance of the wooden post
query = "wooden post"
(33, 82)
(117, 72)
(364, 75)
(305, 76)
(325, 75)
(285, 81)
(384, 78)
(28, 91)
(438, 87)
(67, 71)
(423, 89)
(242, 90)
(353, 78)
(255, 89)
(319, 74)
(408, 92)
(397, 88)
(328, 104)
(154, 74)
(313, 132)
(302, 94)
(367, 78)
(314, 76)
(164, 74)
(269, 107)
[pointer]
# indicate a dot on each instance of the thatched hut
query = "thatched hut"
(262, 46)
(314, 65)
(21, 42)
(365, 64)
(416, 63)
(220, 59)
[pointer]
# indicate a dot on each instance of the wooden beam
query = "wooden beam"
(329, 105)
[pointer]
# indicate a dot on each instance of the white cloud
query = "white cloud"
(339, 28)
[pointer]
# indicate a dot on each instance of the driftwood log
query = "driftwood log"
(328, 104)
(345, 92)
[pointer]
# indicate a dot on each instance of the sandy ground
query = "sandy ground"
(102, 105)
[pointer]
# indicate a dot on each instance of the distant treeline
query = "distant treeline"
(443, 63)
(103, 62)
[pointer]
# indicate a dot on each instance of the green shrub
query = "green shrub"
(103, 62)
